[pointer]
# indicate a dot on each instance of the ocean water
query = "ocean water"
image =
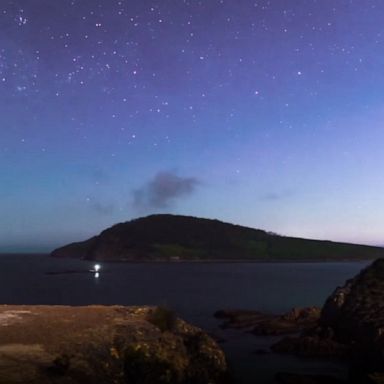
(194, 290)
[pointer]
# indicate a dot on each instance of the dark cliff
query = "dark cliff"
(351, 327)
(355, 311)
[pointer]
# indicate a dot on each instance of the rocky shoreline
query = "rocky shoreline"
(258, 323)
(349, 327)
(116, 344)
(99, 344)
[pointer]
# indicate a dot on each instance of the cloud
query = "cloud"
(163, 190)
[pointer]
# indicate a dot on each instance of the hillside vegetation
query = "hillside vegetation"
(173, 237)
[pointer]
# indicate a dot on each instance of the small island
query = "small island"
(168, 237)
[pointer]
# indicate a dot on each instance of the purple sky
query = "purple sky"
(262, 113)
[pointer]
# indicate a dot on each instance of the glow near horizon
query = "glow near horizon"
(264, 115)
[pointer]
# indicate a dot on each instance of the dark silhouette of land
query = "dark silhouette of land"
(184, 238)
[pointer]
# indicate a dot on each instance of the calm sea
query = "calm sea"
(194, 290)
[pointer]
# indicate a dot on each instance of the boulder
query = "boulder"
(355, 311)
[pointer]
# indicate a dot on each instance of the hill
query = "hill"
(173, 237)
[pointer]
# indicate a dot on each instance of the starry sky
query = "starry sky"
(263, 113)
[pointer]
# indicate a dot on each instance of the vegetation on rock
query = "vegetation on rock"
(163, 318)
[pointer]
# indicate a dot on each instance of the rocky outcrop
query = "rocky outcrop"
(356, 310)
(355, 313)
(294, 321)
(351, 326)
(102, 345)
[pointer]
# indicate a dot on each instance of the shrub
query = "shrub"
(140, 368)
(163, 318)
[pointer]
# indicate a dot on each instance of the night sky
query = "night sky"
(262, 113)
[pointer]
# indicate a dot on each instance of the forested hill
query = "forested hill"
(174, 237)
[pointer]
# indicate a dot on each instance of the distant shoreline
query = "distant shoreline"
(208, 261)
(231, 261)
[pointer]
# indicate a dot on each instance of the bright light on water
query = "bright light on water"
(97, 275)
(97, 267)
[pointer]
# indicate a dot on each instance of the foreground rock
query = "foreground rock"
(355, 313)
(356, 310)
(102, 345)
(294, 321)
(351, 326)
